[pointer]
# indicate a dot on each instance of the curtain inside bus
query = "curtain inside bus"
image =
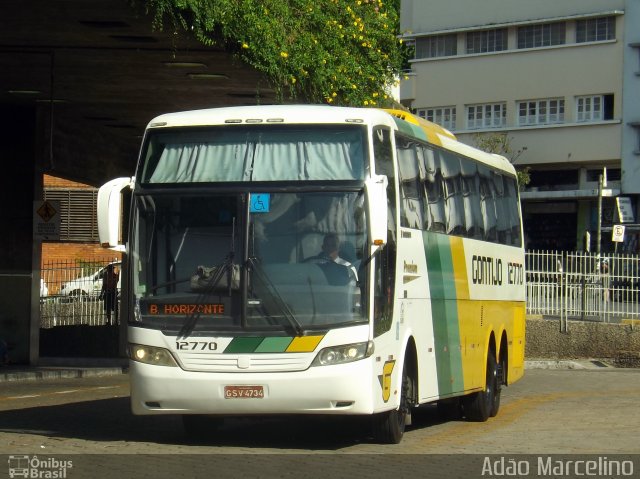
(270, 154)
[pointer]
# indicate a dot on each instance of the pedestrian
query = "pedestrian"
(109, 293)
(605, 279)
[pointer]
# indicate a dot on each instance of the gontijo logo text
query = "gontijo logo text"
(37, 468)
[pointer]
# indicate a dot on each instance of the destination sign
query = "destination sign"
(186, 309)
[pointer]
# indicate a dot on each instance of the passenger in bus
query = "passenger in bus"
(329, 258)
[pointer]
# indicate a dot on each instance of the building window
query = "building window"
(487, 41)
(437, 46)
(594, 108)
(490, 115)
(541, 112)
(78, 220)
(444, 116)
(542, 35)
(595, 29)
(613, 174)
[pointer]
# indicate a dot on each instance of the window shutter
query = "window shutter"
(78, 220)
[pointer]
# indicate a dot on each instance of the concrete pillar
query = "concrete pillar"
(17, 160)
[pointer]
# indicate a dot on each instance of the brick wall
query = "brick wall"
(55, 182)
(75, 251)
(70, 253)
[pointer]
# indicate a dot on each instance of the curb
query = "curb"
(559, 364)
(40, 373)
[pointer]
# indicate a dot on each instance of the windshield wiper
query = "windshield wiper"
(275, 295)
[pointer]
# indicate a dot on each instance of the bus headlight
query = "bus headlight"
(151, 355)
(343, 354)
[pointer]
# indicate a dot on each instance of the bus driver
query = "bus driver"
(329, 254)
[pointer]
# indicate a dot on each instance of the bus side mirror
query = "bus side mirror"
(376, 190)
(110, 212)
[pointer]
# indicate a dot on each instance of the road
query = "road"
(583, 412)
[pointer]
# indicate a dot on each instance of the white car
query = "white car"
(87, 285)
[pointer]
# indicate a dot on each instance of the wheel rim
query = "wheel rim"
(491, 383)
(405, 394)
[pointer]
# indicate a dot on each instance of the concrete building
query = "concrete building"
(561, 81)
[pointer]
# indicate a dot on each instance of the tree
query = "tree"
(344, 52)
(500, 143)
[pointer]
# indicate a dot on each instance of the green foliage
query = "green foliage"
(500, 144)
(343, 52)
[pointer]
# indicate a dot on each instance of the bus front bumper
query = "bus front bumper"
(340, 389)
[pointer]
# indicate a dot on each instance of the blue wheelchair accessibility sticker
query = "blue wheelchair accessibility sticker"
(260, 202)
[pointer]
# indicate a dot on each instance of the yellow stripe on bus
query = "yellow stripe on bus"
(459, 268)
(304, 344)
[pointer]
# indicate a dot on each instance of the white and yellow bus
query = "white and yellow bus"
(317, 260)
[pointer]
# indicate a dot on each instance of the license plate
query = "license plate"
(243, 392)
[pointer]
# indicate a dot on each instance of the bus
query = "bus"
(308, 259)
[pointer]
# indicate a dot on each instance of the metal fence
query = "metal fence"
(572, 285)
(587, 286)
(70, 293)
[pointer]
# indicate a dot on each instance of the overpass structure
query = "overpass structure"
(79, 81)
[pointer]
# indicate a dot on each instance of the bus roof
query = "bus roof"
(419, 126)
(402, 121)
(273, 114)
(416, 127)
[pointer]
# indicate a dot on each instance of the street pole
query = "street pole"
(599, 233)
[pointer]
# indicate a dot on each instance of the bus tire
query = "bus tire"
(388, 426)
(500, 371)
(199, 426)
(478, 406)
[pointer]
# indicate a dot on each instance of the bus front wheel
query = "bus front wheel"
(388, 427)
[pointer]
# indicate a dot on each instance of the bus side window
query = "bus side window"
(454, 206)
(385, 260)
(433, 185)
(412, 197)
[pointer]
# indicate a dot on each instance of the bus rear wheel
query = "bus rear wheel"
(479, 406)
(500, 380)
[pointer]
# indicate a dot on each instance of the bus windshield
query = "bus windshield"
(237, 261)
(254, 153)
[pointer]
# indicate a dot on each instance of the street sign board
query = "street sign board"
(617, 234)
(625, 211)
(46, 220)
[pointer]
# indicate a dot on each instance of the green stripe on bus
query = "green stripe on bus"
(274, 345)
(410, 129)
(444, 311)
(243, 345)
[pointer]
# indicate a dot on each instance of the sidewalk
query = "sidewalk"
(67, 368)
(64, 368)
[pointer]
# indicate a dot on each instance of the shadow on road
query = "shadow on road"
(110, 420)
